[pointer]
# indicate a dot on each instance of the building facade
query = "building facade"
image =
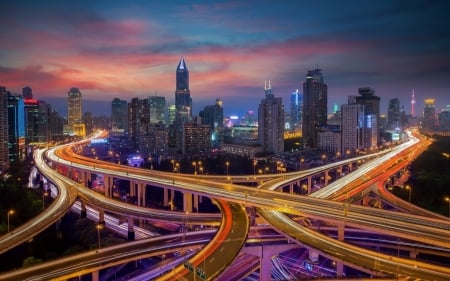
(4, 159)
(315, 99)
(352, 127)
(75, 124)
(271, 122)
(296, 110)
(119, 115)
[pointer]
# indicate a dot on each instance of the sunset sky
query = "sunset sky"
(131, 49)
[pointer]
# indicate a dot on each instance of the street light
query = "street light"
(409, 188)
(227, 164)
(45, 194)
(151, 163)
(254, 168)
(99, 227)
(195, 167)
(447, 199)
(10, 212)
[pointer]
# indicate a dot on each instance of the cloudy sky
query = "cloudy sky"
(131, 49)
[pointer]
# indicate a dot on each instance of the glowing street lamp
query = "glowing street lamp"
(99, 227)
(45, 194)
(228, 165)
(447, 199)
(409, 188)
(254, 167)
(10, 212)
(195, 167)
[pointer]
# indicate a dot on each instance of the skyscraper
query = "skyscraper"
(352, 127)
(4, 159)
(16, 128)
(429, 115)
(119, 115)
(27, 93)
(212, 115)
(296, 109)
(183, 101)
(371, 104)
(157, 109)
(271, 122)
(315, 98)
(393, 115)
(75, 113)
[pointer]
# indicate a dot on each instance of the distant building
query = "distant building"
(119, 115)
(271, 122)
(444, 119)
(4, 159)
(27, 93)
(296, 110)
(16, 128)
(153, 140)
(394, 114)
(157, 106)
(315, 98)
(138, 119)
(75, 124)
(371, 104)
(429, 115)
(352, 127)
(36, 121)
(330, 139)
(196, 137)
(212, 115)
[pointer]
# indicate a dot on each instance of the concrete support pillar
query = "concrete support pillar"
(101, 216)
(291, 188)
(172, 195)
(265, 272)
(95, 275)
(83, 212)
(132, 188)
(339, 269)
(131, 233)
(413, 254)
(139, 194)
(88, 179)
(144, 195)
(165, 197)
(81, 176)
(309, 184)
(107, 190)
(196, 202)
(326, 175)
(350, 167)
(187, 202)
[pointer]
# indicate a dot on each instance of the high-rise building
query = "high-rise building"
(429, 115)
(371, 104)
(296, 109)
(138, 119)
(75, 113)
(157, 109)
(27, 93)
(352, 127)
(119, 115)
(196, 137)
(4, 159)
(183, 101)
(393, 115)
(413, 104)
(36, 121)
(171, 113)
(212, 115)
(16, 128)
(271, 122)
(315, 98)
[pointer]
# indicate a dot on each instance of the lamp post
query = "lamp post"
(99, 227)
(45, 194)
(10, 212)
(254, 168)
(447, 199)
(227, 164)
(409, 188)
(151, 163)
(195, 167)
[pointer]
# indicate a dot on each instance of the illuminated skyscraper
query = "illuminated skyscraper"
(212, 115)
(75, 113)
(119, 115)
(352, 127)
(371, 104)
(4, 160)
(413, 104)
(16, 128)
(157, 109)
(183, 101)
(296, 109)
(315, 98)
(429, 115)
(271, 122)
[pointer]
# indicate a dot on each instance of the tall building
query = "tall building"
(138, 119)
(4, 159)
(119, 115)
(296, 109)
(212, 115)
(413, 104)
(315, 100)
(36, 121)
(196, 137)
(352, 127)
(27, 93)
(16, 128)
(394, 114)
(157, 109)
(429, 115)
(75, 113)
(271, 122)
(183, 101)
(371, 104)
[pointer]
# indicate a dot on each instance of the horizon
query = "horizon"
(112, 49)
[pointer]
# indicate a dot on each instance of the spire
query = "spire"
(265, 85)
(270, 87)
(181, 64)
(413, 102)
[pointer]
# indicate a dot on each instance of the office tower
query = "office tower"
(393, 115)
(4, 159)
(413, 104)
(352, 127)
(296, 109)
(444, 119)
(27, 93)
(271, 122)
(138, 118)
(429, 115)
(315, 107)
(36, 121)
(196, 137)
(183, 101)
(119, 115)
(212, 115)
(75, 113)
(153, 140)
(56, 125)
(157, 109)
(171, 113)
(16, 128)
(371, 104)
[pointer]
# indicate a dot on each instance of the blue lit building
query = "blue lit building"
(16, 128)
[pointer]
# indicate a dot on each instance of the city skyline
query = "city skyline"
(110, 49)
